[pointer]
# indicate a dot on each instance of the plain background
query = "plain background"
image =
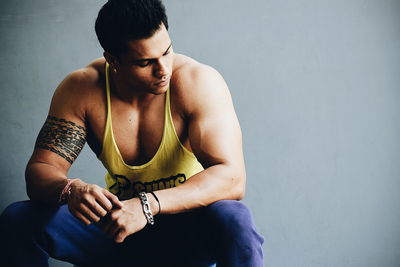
(316, 89)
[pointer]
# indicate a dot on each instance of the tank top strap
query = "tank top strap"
(108, 91)
(107, 136)
(167, 112)
(172, 139)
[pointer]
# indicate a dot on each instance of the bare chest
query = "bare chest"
(137, 133)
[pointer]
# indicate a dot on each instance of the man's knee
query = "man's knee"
(234, 219)
(232, 216)
(15, 213)
(235, 229)
(24, 214)
(228, 211)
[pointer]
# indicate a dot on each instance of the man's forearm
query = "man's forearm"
(44, 183)
(212, 184)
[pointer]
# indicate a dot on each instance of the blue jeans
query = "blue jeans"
(222, 233)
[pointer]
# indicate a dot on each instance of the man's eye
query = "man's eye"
(143, 64)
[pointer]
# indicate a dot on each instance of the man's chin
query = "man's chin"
(159, 90)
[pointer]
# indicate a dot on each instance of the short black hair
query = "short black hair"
(120, 21)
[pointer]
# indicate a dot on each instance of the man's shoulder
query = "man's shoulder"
(86, 77)
(80, 91)
(83, 82)
(194, 82)
(188, 70)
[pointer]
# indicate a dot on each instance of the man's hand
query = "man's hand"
(120, 223)
(90, 202)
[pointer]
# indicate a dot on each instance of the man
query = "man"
(165, 128)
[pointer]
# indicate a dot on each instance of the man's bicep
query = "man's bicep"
(214, 129)
(62, 137)
(63, 134)
(216, 140)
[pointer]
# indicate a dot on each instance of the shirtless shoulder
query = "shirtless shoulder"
(80, 99)
(194, 83)
(78, 92)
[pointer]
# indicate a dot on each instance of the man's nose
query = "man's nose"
(161, 68)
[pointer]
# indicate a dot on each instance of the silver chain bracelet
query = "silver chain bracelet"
(146, 208)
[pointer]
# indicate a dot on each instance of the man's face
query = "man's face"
(147, 65)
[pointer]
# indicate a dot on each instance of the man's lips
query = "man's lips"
(162, 82)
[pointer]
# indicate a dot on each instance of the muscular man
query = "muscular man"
(165, 129)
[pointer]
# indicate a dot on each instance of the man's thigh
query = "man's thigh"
(41, 231)
(187, 239)
(55, 232)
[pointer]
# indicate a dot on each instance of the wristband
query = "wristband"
(158, 201)
(66, 191)
(146, 207)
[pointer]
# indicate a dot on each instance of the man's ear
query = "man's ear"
(112, 60)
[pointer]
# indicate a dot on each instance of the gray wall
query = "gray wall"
(316, 88)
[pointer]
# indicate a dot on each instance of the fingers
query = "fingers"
(113, 198)
(81, 217)
(88, 213)
(105, 223)
(111, 224)
(91, 203)
(86, 208)
(113, 228)
(99, 204)
(103, 201)
(91, 208)
(120, 236)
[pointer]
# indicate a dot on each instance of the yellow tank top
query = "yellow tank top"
(171, 166)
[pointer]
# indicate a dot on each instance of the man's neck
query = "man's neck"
(130, 95)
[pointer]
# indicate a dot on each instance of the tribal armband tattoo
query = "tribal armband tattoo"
(62, 137)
